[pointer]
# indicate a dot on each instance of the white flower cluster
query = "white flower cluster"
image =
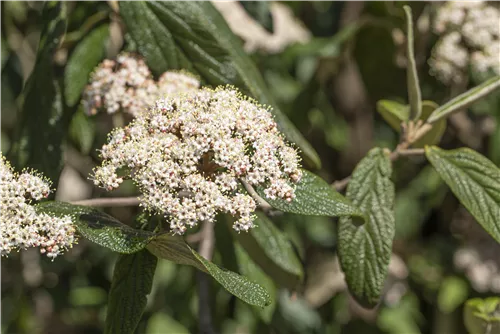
(188, 153)
(469, 36)
(127, 85)
(20, 225)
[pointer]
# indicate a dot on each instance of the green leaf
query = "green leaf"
(452, 293)
(414, 94)
(314, 197)
(175, 249)
(251, 270)
(272, 251)
(260, 10)
(464, 100)
(365, 249)
(194, 36)
(394, 113)
(82, 131)
(131, 284)
(161, 322)
(99, 227)
(482, 316)
(434, 135)
(86, 56)
(43, 122)
(474, 180)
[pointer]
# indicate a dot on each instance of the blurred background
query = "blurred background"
(327, 64)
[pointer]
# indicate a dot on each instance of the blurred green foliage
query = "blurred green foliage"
(328, 88)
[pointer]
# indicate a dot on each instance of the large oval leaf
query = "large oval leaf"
(365, 250)
(314, 197)
(99, 227)
(175, 249)
(272, 251)
(474, 180)
(86, 56)
(194, 36)
(131, 284)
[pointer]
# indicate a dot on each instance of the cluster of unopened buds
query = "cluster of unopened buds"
(126, 84)
(20, 225)
(188, 153)
(469, 37)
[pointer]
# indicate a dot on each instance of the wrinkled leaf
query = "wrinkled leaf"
(464, 100)
(44, 121)
(250, 269)
(314, 197)
(272, 251)
(260, 11)
(130, 286)
(414, 94)
(365, 249)
(100, 227)
(434, 135)
(194, 36)
(175, 249)
(482, 316)
(86, 56)
(474, 180)
(394, 113)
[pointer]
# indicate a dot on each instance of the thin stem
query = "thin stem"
(341, 184)
(414, 134)
(205, 249)
(260, 201)
(109, 201)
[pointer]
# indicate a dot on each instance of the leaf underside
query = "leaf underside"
(132, 282)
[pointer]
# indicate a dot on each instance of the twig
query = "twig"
(194, 238)
(205, 249)
(260, 201)
(109, 201)
(414, 134)
(341, 184)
